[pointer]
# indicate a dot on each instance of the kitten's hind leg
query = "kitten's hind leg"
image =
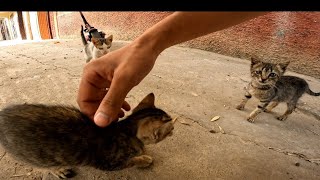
(261, 107)
(141, 161)
(63, 173)
(290, 108)
(272, 105)
(244, 101)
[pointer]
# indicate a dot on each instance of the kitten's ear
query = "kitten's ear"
(254, 61)
(110, 38)
(102, 34)
(95, 41)
(147, 102)
(284, 66)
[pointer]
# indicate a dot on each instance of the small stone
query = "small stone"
(297, 164)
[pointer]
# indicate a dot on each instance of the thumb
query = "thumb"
(111, 104)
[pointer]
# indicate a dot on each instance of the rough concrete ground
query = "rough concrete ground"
(192, 84)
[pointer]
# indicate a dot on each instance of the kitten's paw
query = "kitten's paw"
(63, 173)
(250, 119)
(240, 107)
(144, 161)
(282, 118)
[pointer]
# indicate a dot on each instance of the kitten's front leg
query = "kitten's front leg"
(141, 161)
(261, 107)
(272, 105)
(244, 101)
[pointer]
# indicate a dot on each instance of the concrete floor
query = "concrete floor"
(192, 84)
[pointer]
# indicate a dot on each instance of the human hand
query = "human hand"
(118, 72)
(125, 68)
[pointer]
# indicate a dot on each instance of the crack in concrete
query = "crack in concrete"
(308, 112)
(295, 154)
(42, 63)
(289, 153)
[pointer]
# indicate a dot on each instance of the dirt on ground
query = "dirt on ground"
(190, 84)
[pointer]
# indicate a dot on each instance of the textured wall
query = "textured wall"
(123, 25)
(277, 36)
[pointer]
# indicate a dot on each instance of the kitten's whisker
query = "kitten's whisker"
(175, 119)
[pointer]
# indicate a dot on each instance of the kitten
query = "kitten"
(97, 47)
(271, 87)
(56, 137)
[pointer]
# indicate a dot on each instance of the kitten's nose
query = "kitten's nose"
(262, 80)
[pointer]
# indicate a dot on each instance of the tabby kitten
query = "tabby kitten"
(271, 87)
(97, 47)
(56, 137)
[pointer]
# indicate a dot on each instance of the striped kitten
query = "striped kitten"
(59, 137)
(271, 87)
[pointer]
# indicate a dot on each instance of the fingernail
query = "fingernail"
(102, 119)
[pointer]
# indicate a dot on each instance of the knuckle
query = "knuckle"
(110, 103)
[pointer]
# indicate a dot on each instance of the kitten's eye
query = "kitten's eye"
(258, 72)
(272, 75)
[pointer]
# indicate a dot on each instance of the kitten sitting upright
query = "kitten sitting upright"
(97, 47)
(58, 137)
(271, 87)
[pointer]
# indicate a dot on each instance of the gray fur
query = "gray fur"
(271, 87)
(57, 137)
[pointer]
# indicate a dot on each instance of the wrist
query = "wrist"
(155, 42)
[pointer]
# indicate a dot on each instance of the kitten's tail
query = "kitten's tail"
(84, 41)
(312, 93)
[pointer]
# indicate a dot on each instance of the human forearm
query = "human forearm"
(183, 26)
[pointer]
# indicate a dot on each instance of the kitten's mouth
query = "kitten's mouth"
(262, 82)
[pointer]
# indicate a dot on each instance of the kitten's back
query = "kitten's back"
(48, 136)
(296, 83)
(25, 128)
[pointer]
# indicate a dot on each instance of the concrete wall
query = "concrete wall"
(277, 36)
